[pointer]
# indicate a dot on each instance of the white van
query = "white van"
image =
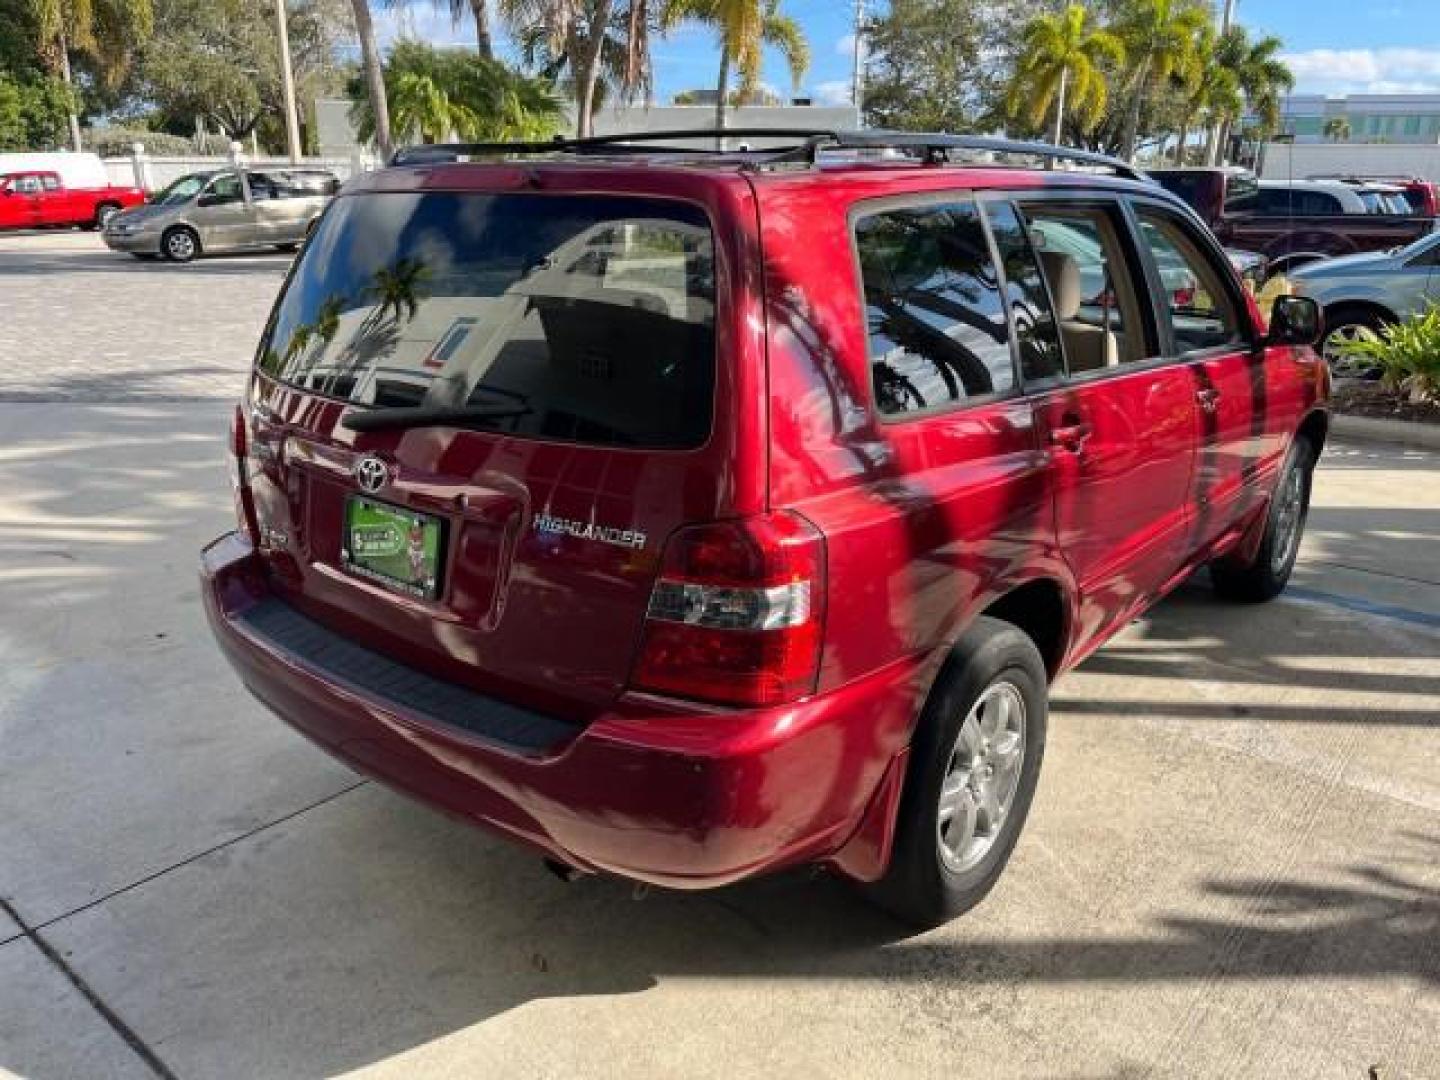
(76, 171)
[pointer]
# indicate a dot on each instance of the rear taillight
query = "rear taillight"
(736, 614)
(240, 475)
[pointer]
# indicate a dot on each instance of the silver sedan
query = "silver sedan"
(1360, 294)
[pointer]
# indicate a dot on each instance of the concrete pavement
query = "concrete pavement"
(1232, 867)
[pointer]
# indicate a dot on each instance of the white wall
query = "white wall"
(1283, 160)
(161, 171)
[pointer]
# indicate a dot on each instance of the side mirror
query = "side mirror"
(1295, 320)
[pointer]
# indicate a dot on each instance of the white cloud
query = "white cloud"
(845, 46)
(833, 92)
(1366, 71)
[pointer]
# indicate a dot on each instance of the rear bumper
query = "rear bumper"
(675, 794)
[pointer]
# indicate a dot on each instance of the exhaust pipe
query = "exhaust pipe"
(563, 871)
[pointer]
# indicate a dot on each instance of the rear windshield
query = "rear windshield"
(593, 315)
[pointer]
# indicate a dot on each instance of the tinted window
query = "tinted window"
(935, 318)
(225, 188)
(1201, 312)
(50, 181)
(1241, 194)
(1034, 318)
(1092, 281)
(1285, 202)
(28, 185)
(592, 318)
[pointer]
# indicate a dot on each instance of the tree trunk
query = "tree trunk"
(1180, 146)
(720, 92)
(1060, 107)
(484, 44)
(374, 76)
(588, 72)
(75, 142)
(1132, 122)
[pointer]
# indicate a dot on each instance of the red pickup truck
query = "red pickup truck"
(29, 200)
(1290, 224)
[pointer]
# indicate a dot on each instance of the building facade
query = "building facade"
(1367, 118)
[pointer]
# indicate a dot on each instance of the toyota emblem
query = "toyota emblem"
(371, 473)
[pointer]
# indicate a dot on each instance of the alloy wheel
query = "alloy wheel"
(981, 777)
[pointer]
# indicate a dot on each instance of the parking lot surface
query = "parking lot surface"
(1232, 867)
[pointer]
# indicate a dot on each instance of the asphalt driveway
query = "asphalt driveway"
(1232, 867)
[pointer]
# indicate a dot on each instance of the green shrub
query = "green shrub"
(1408, 355)
(117, 141)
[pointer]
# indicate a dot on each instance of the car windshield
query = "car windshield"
(591, 317)
(182, 190)
(1426, 245)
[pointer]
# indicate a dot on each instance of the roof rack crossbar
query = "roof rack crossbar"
(933, 148)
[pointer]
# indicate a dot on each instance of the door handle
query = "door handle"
(1071, 437)
(1209, 399)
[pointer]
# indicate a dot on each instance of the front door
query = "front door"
(223, 215)
(1204, 326)
(1117, 425)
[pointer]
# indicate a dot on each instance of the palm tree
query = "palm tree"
(107, 31)
(576, 32)
(434, 93)
(1264, 80)
(479, 10)
(1056, 50)
(1337, 129)
(1213, 94)
(374, 77)
(745, 27)
(1159, 37)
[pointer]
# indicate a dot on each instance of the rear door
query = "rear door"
(27, 195)
(1245, 414)
(515, 551)
(1117, 422)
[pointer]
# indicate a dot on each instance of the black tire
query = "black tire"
(173, 244)
(921, 886)
(1350, 321)
(1265, 576)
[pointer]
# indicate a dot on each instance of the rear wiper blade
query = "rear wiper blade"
(429, 416)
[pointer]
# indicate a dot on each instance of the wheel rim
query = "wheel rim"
(106, 213)
(1337, 339)
(181, 245)
(1289, 513)
(981, 777)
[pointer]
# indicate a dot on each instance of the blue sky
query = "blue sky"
(1333, 46)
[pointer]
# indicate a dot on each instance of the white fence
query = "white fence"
(154, 173)
(1284, 161)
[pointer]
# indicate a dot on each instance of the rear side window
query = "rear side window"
(935, 318)
(593, 316)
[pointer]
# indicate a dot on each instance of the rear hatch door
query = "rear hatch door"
(539, 373)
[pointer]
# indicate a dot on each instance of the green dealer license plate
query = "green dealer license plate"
(396, 547)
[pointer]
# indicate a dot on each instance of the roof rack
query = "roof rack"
(931, 147)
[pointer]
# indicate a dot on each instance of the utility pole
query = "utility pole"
(287, 77)
(857, 91)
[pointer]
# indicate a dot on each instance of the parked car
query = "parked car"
(689, 516)
(1290, 223)
(1421, 196)
(41, 198)
(224, 210)
(1361, 294)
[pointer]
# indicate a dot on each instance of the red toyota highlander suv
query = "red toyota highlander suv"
(687, 515)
